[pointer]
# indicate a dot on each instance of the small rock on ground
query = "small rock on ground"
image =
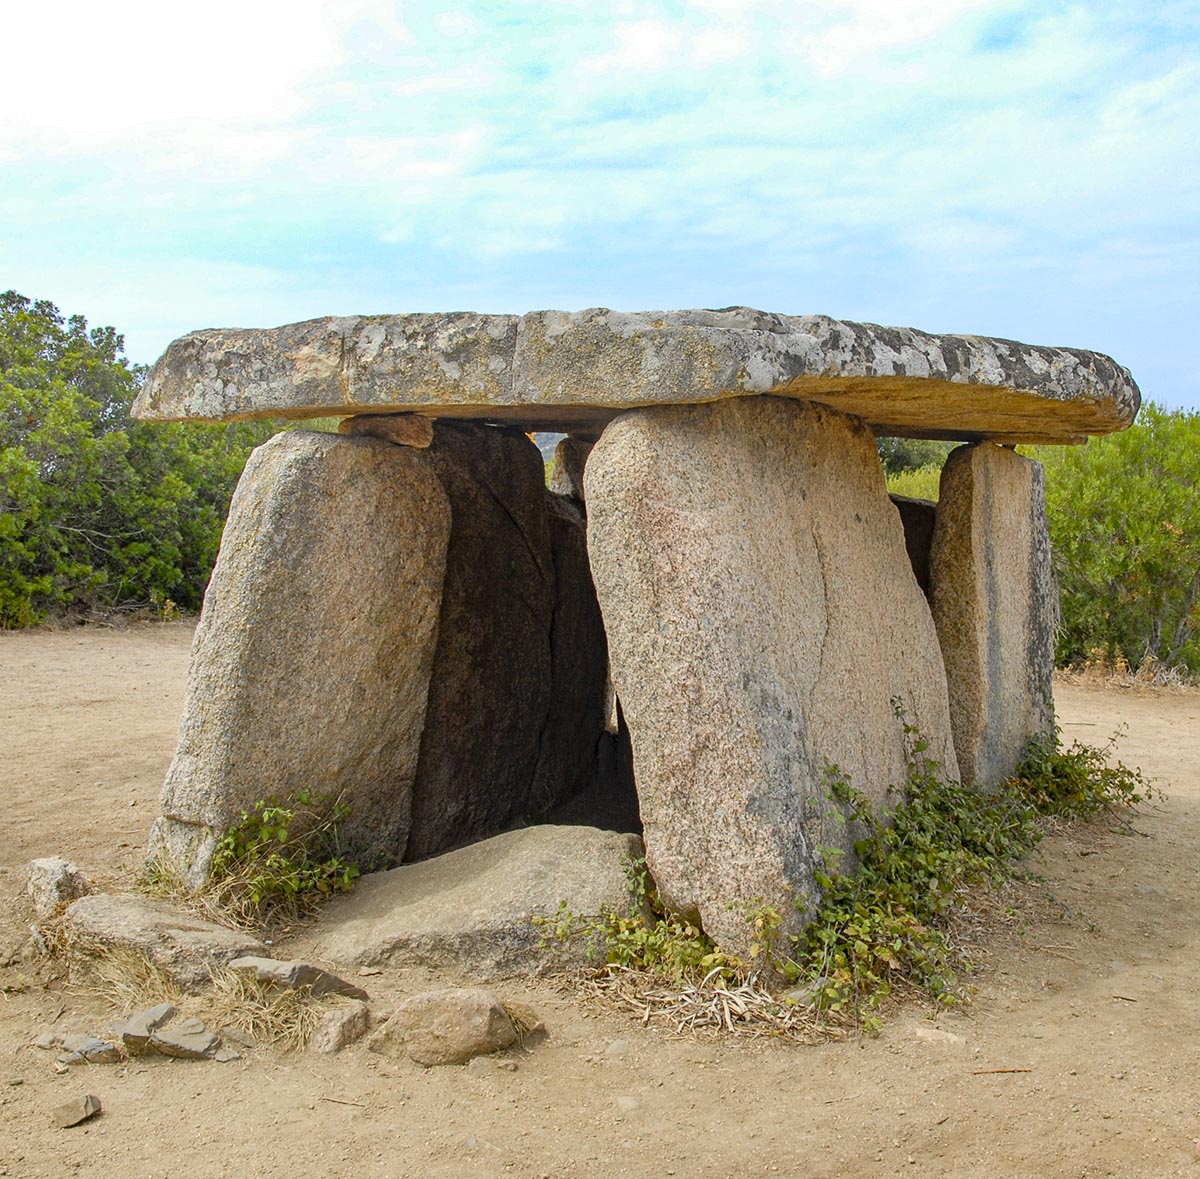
(296, 974)
(52, 882)
(78, 1109)
(446, 1027)
(341, 1027)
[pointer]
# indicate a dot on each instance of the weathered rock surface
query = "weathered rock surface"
(296, 974)
(473, 908)
(311, 662)
(573, 371)
(445, 1027)
(341, 1027)
(189, 1040)
(182, 946)
(402, 429)
(51, 883)
(570, 458)
(84, 1048)
(917, 519)
(136, 1029)
(995, 605)
(511, 725)
(762, 615)
(490, 691)
(78, 1109)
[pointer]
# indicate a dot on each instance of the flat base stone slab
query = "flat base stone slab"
(182, 946)
(574, 371)
(473, 908)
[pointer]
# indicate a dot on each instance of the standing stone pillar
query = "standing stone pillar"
(312, 658)
(762, 615)
(995, 605)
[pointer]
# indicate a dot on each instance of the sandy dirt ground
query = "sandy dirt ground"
(1094, 996)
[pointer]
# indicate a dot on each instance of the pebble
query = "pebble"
(78, 1109)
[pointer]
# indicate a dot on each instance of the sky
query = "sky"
(997, 167)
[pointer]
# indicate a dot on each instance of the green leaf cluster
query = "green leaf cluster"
(282, 855)
(1124, 518)
(884, 922)
(99, 512)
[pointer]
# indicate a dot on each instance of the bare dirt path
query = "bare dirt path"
(1097, 999)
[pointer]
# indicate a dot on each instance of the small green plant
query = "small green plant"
(887, 923)
(647, 939)
(282, 855)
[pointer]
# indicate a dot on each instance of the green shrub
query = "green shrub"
(1124, 518)
(921, 483)
(884, 924)
(99, 512)
(282, 856)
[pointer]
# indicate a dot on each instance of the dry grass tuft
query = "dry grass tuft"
(127, 978)
(265, 1011)
(711, 1007)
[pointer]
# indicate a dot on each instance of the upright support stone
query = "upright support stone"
(762, 616)
(311, 662)
(995, 606)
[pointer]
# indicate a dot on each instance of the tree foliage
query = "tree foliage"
(1124, 516)
(99, 512)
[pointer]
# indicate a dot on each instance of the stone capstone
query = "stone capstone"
(311, 663)
(51, 883)
(762, 617)
(183, 947)
(474, 909)
(445, 1027)
(995, 605)
(572, 372)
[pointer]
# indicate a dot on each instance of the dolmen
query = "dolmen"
(715, 606)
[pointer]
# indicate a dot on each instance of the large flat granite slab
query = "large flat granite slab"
(575, 371)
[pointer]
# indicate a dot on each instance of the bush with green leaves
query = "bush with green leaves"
(882, 922)
(1124, 518)
(281, 856)
(99, 512)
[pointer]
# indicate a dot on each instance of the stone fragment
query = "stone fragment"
(572, 372)
(136, 1029)
(341, 1027)
(311, 662)
(182, 946)
(474, 908)
(762, 617)
(401, 429)
(995, 605)
(89, 1048)
(51, 883)
(187, 1040)
(446, 1027)
(917, 518)
(934, 1035)
(570, 458)
(224, 1054)
(78, 1109)
(296, 974)
(490, 693)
